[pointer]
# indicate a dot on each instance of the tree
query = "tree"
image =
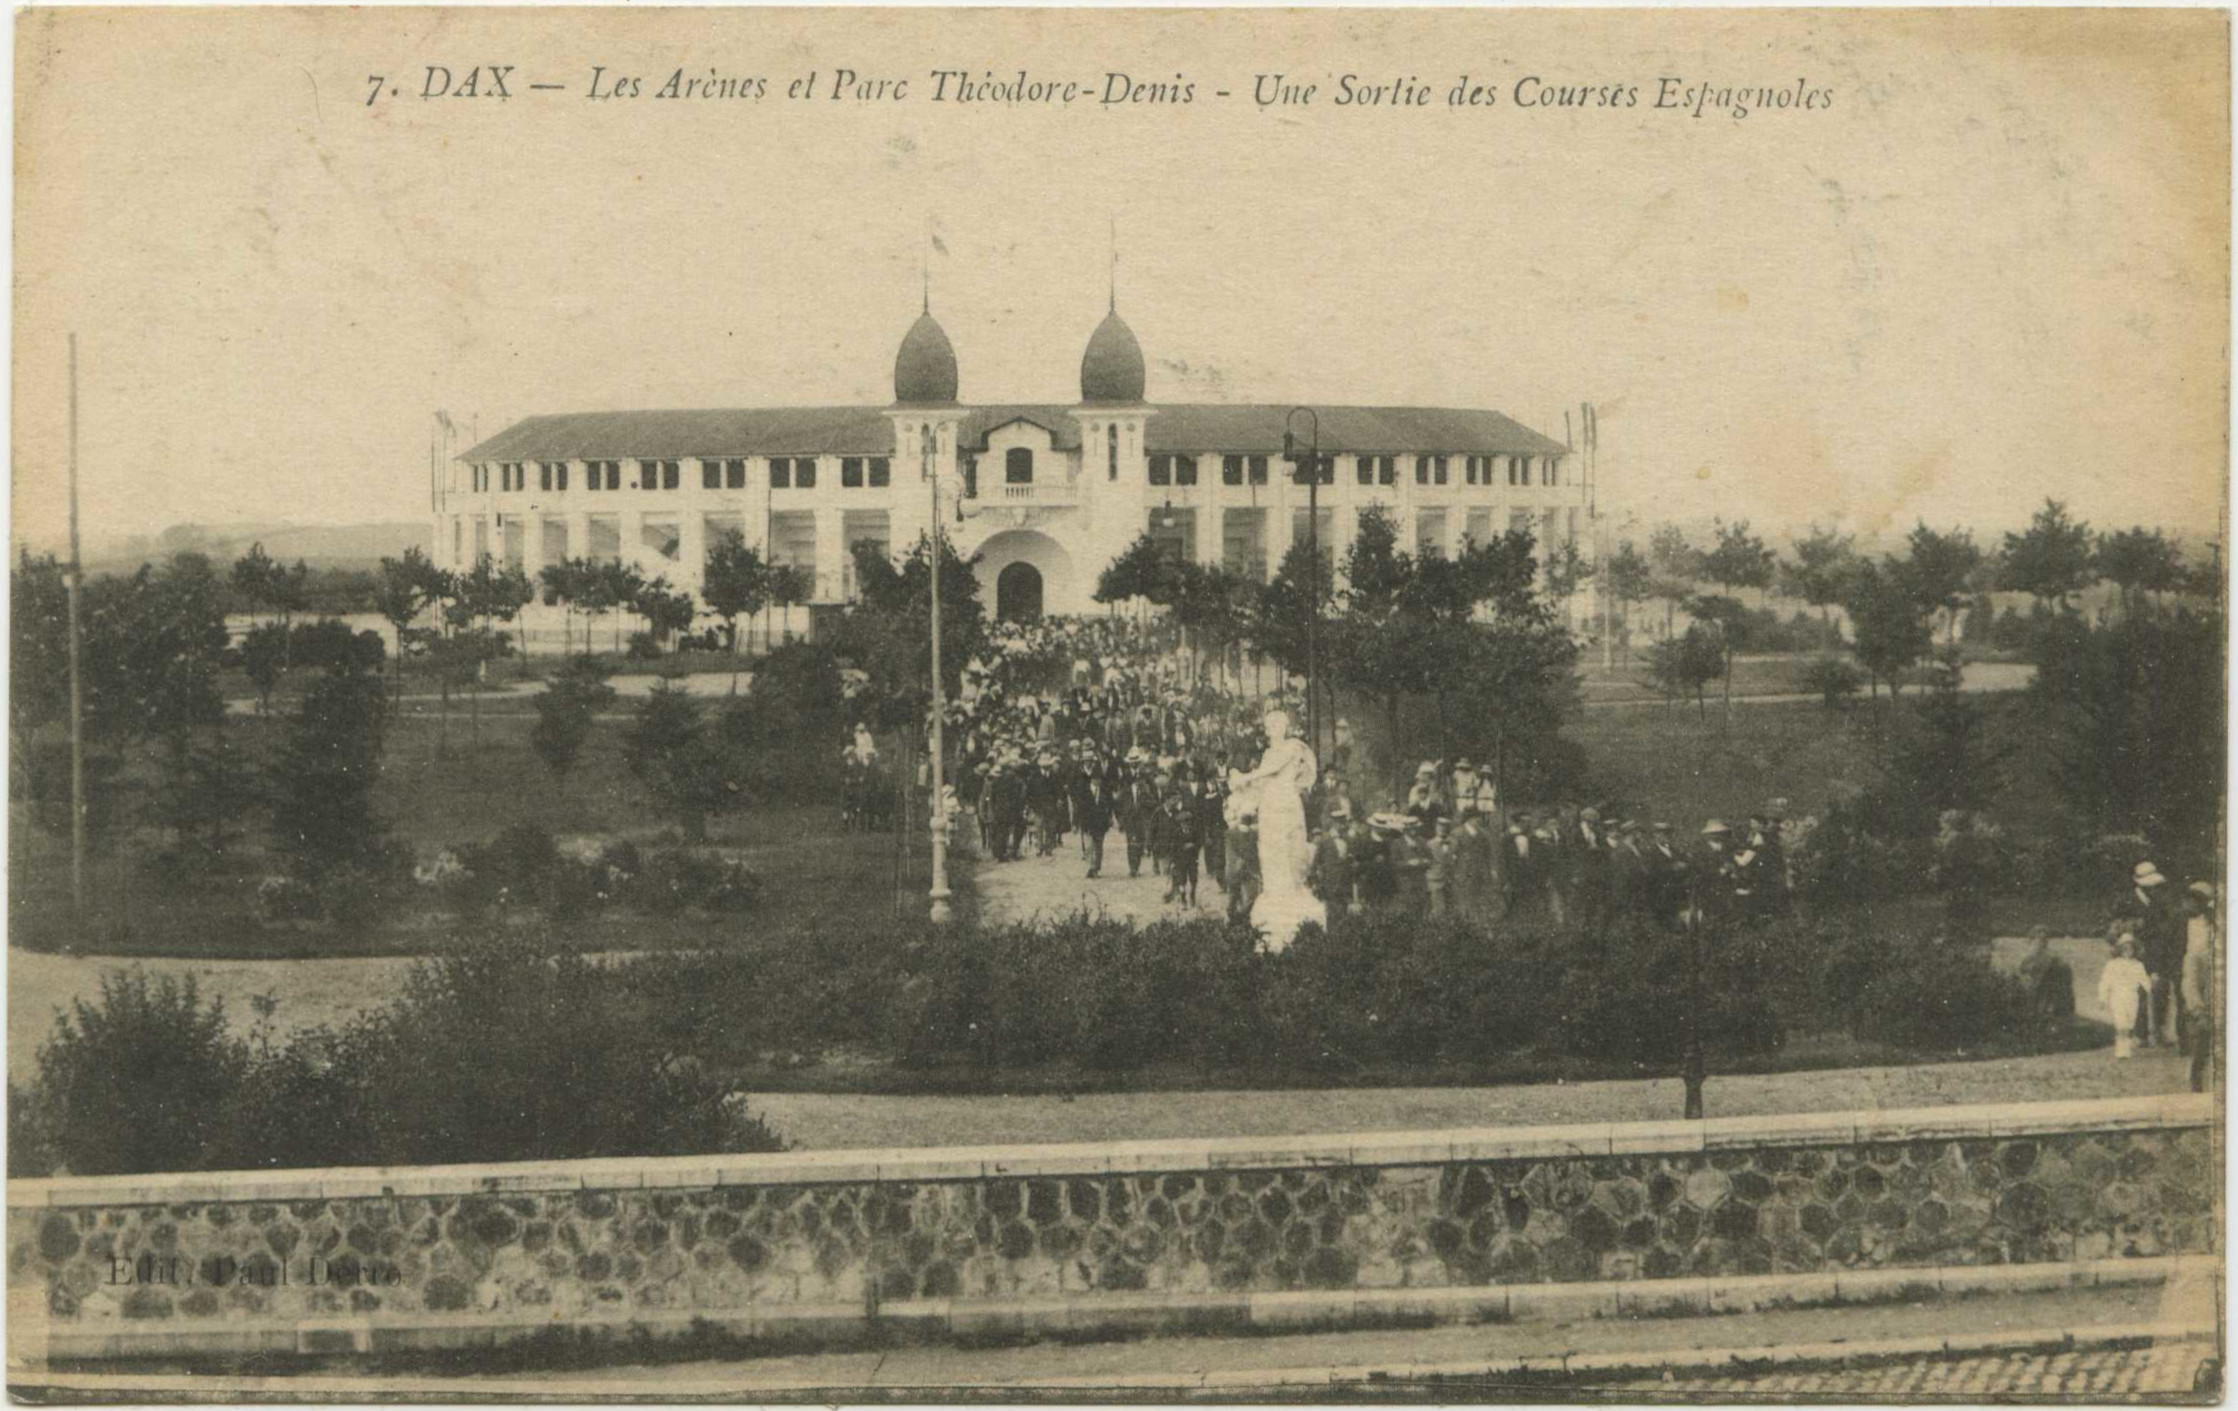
(1675, 566)
(887, 631)
(667, 612)
(2051, 560)
(255, 579)
(1682, 666)
(1888, 621)
(2137, 561)
(735, 585)
(788, 584)
(264, 659)
(205, 788)
(566, 711)
(681, 763)
(1628, 581)
(2137, 726)
(1726, 620)
(1939, 572)
(323, 778)
(1141, 570)
(1567, 569)
(1819, 573)
(402, 591)
(1738, 559)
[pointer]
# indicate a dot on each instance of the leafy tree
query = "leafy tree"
(1628, 582)
(254, 576)
(402, 591)
(681, 763)
(2137, 721)
(566, 711)
(2138, 561)
(1140, 571)
(1739, 559)
(667, 612)
(887, 631)
(789, 584)
(138, 1080)
(735, 585)
(205, 789)
(330, 645)
(323, 779)
(1567, 569)
(1833, 679)
(1889, 623)
(1939, 571)
(38, 645)
(2052, 560)
(1675, 566)
(1682, 666)
(1819, 573)
(1726, 620)
(264, 660)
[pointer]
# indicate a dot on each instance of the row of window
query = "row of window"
(876, 472)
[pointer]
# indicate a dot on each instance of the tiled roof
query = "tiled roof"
(865, 431)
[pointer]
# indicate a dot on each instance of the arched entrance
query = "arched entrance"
(1018, 593)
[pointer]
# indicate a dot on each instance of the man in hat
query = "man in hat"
(1714, 892)
(1627, 869)
(1475, 858)
(1138, 812)
(1519, 866)
(1586, 852)
(2160, 939)
(1665, 883)
(1409, 855)
(1091, 810)
(2202, 938)
(1424, 801)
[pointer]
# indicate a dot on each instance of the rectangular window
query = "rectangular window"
(1429, 534)
(1184, 470)
(1231, 470)
(1519, 470)
(672, 474)
(1421, 470)
(1161, 470)
(1327, 467)
(1387, 470)
(804, 472)
(734, 474)
(881, 472)
(710, 474)
(1479, 528)
(1259, 471)
(1321, 532)
(648, 475)
(780, 473)
(543, 475)
(1438, 469)
(1365, 465)
(851, 472)
(1550, 471)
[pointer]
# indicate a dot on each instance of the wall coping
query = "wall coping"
(1195, 1154)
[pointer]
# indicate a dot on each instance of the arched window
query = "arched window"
(1111, 450)
(1018, 466)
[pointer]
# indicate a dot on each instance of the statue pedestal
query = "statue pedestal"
(1279, 916)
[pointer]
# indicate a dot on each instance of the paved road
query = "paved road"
(1397, 1360)
(2102, 1374)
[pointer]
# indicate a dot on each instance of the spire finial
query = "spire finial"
(924, 265)
(1114, 262)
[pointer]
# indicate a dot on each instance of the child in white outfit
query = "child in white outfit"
(2123, 985)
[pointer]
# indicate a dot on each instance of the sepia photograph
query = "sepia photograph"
(1081, 705)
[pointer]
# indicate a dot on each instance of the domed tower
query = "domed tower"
(926, 422)
(1112, 414)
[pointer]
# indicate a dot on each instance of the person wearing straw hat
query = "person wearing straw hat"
(2148, 911)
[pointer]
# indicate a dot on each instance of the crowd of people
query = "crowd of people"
(1067, 729)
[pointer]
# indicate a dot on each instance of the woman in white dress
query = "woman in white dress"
(1278, 787)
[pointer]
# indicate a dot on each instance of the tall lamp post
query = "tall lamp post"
(1309, 465)
(939, 825)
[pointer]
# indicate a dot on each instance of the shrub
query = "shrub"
(138, 1081)
(1832, 679)
(1941, 997)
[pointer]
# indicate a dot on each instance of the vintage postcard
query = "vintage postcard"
(1084, 705)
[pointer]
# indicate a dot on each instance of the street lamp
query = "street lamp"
(939, 826)
(1309, 465)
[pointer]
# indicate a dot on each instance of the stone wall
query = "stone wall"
(755, 1243)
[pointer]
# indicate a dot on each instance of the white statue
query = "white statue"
(1277, 792)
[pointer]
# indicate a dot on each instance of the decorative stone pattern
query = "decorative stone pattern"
(555, 1254)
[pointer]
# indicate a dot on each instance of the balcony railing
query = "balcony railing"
(1027, 495)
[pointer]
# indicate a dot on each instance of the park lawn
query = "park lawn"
(442, 793)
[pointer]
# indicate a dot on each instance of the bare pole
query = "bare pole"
(77, 677)
(939, 894)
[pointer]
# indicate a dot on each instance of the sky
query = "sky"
(1990, 269)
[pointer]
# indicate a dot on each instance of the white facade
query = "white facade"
(1059, 491)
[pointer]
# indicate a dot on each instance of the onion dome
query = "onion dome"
(925, 368)
(1111, 370)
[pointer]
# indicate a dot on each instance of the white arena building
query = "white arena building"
(1043, 496)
